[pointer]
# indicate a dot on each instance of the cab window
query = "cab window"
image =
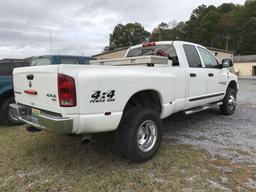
(5, 69)
(160, 50)
(41, 61)
(193, 58)
(66, 60)
(208, 59)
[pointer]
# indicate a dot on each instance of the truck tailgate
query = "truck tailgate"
(37, 87)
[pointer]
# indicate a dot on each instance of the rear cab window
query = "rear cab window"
(158, 50)
(69, 60)
(192, 55)
(41, 61)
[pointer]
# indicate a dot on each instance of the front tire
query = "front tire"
(7, 114)
(139, 134)
(229, 102)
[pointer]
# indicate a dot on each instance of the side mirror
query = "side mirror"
(226, 63)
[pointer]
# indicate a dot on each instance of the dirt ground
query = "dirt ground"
(201, 152)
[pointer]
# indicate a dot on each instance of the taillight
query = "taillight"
(148, 44)
(67, 91)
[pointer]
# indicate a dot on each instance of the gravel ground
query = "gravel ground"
(232, 137)
(49, 162)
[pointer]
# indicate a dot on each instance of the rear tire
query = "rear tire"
(7, 114)
(229, 102)
(139, 134)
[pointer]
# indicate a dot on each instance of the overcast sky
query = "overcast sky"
(80, 26)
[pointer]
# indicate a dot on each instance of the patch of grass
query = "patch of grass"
(239, 151)
(49, 162)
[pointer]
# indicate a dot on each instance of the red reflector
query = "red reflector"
(30, 92)
(148, 44)
(67, 91)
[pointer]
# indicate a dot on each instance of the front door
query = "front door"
(217, 77)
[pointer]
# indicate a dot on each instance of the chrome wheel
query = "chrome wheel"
(232, 102)
(147, 136)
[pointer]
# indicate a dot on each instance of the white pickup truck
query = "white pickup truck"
(128, 95)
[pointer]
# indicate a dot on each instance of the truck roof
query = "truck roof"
(164, 43)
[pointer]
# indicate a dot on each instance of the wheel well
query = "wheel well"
(145, 99)
(6, 95)
(233, 85)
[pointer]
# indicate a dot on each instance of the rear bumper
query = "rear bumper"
(50, 122)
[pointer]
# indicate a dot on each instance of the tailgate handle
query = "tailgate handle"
(30, 77)
(30, 92)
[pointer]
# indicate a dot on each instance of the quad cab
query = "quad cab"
(127, 95)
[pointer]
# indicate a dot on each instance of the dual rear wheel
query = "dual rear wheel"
(139, 134)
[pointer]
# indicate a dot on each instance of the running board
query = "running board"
(198, 109)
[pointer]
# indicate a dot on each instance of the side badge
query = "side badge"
(101, 97)
(52, 96)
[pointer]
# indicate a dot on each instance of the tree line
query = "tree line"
(228, 26)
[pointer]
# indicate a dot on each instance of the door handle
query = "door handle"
(192, 75)
(210, 74)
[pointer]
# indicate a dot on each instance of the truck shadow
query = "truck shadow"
(181, 122)
(66, 152)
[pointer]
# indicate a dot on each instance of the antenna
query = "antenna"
(50, 42)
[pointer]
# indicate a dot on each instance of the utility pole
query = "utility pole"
(227, 37)
(50, 42)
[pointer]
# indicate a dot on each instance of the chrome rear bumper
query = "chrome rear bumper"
(50, 122)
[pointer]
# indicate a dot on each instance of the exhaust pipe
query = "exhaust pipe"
(86, 139)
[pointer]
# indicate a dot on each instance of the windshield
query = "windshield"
(160, 50)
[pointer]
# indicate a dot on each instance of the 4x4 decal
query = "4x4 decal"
(101, 97)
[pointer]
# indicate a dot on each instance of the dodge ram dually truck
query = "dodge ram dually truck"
(128, 95)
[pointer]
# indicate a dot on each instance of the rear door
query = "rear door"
(217, 77)
(197, 77)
